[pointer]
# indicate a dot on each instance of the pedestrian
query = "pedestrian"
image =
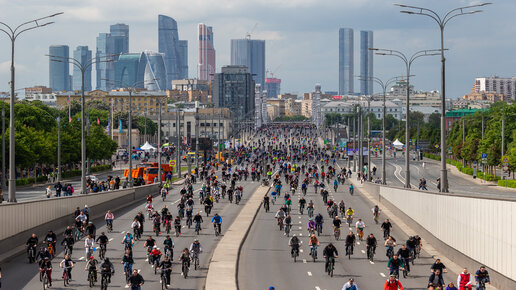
(58, 187)
(48, 192)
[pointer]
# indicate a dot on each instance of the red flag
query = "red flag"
(98, 121)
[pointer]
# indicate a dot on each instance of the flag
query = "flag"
(120, 126)
(89, 122)
(98, 121)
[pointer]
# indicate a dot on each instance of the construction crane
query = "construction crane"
(272, 72)
(248, 34)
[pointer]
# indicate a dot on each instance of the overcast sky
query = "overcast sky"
(301, 36)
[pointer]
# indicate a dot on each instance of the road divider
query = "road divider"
(223, 269)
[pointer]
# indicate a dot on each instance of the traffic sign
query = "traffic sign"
(484, 155)
(505, 160)
(505, 168)
(172, 163)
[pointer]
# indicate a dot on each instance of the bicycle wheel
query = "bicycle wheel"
(65, 278)
(103, 282)
(405, 273)
(91, 279)
(185, 271)
(45, 282)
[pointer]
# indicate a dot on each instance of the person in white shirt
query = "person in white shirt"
(360, 224)
(350, 285)
(89, 243)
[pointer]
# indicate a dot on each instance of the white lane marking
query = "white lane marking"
(300, 227)
(184, 227)
(372, 263)
(299, 217)
(146, 260)
(317, 288)
(123, 232)
(358, 243)
(350, 229)
(81, 258)
(110, 239)
(304, 261)
(363, 252)
(382, 274)
(299, 221)
(300, 250)
(309, 274)
(300, 234)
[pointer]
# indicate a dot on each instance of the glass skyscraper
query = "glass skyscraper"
(83, 55)
(145, 69)
(206, 66)
(234, 88)
(250, 53)
(114, 43)
(175, 51)
(346, 68)
(366, 62)
(59, 72)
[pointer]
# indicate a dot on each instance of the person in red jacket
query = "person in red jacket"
(464, 280)
(392, 284)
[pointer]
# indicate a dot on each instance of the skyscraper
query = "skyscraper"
(145, 69)
(346, 68)
(250, 53)
(273, 87)
(366, 62)
(114, 43)
(59, 72)
(174, 50)
(234, 88)
(83, 55)
(206, 67)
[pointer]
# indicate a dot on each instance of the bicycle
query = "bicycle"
(405, 272)
(109, 226)
(189, 221)
(301, 208)
(370, 253)
(313, 253)
(104, 281)
(164, 280)
(31, 254)
(185, 268)
(157, 229)
(127, 271)
(168, 227)
(280, 223)
(197, 228)
(102, 252)
(349, 220)
(331, 266)
(310, 212)
(295, 253)
(44, 279)
(319, 229)
(360, 233)
(287, 229)
(349, 251)
(390, 252)
(482, 284)
(91, 277)
(177, 230)
(195, 259)
(336, 233)
(376, 217)
(217, 230)
(137, 234)
(66, 276)
(395, 272)
(155, 265)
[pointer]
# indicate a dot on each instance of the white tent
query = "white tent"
(397, 144)
(147, 147)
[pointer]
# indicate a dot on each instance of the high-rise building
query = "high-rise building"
(175, 51)
(234, 88)
(145, 69)
(273, 87)
(206, 67)
(366, 62)
(110, 45)
(59, 72)
(346, 68)
(250, 53)
(83, 55)
(506, 86)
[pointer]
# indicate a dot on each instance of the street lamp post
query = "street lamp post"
(13, 35)
(408, 63)
(82, 67)
(442, 21)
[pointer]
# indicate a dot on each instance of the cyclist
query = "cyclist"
(68, 231)
(394, 265)
(91, 230)
(216, 220)
(51, 238)
(103, 240)
(67, 265)
(482, 275)
(435, 281)
(168, 246)
(68, 242)
(42, 254)
(342, 207)
(351, 189)
(390, 243)
(335, 185)
(109, 217)
(371, 242)
(107, 269)
(128, 262)
(32, 243)
(392, 284)
(266, 201)
(438, 265)
(166, 267)
(89, 243)
(177, 224)
(294, 245)
(196, 248)
(350, 243)
(274, 195)
(464, 280)
(313, 243)
(411, 245)
(310, 226)
(360, 225)
(185, 258)
(336, 223)
(46, 266)
(404, 254)
(302, 203)
(386, 227)
(319, 220)
(329, 252)
(155, 254)
(149, 244)
(141, 219)
(376, 212)
(198, 220)
(350, 285)
(128, 241)
(91, 266)
(288, 224)
(135, 281)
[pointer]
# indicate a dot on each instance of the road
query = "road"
(458, 183)
(18, 274)
(266, 259)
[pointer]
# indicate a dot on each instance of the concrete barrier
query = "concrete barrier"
(19, 220)
(223, 270)
(467, 230)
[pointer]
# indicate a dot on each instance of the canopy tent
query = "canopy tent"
(148, 147)
(397, 144)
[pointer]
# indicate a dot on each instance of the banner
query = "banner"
(120, 126)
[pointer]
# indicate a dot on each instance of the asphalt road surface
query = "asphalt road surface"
(18, 274)
(266, 261)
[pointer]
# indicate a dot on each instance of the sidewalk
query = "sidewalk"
(222, 272)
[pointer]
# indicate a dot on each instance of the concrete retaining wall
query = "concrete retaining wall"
(482, 229)
(19, 220)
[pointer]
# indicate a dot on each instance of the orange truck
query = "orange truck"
(148, 171)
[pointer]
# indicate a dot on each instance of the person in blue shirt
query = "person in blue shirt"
(216, 220)
(350, 285)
